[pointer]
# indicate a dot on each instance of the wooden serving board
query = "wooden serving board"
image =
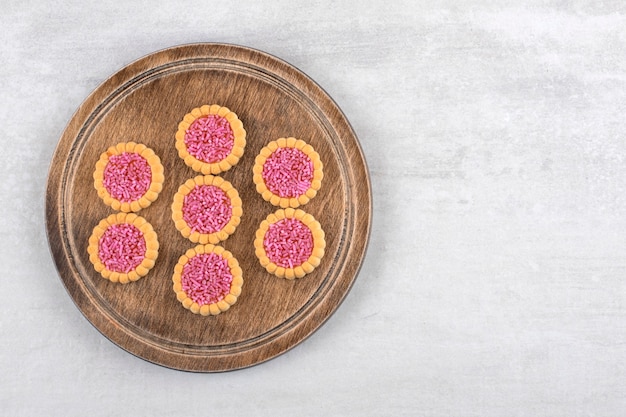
(144, 102)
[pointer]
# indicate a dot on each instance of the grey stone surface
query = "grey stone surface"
(495, 280)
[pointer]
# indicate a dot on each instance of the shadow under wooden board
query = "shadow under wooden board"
(144, 102)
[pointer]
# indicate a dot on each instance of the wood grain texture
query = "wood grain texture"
(144, 102)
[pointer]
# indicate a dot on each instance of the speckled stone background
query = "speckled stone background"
(495, 282)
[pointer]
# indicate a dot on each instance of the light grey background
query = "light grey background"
(495, 280)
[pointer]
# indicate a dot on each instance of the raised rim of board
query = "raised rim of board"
(254, 351)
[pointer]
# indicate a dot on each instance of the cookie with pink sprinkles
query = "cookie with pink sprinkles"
(123, 247)
(290, 243)
(207, 280)
(128, 177)
(210, 139)
(206, 209)
(288, 172)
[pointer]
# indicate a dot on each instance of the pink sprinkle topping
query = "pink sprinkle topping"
(207, 209)
(288, 243)
(122, 248)
(206, 278)
(127, 176)
(288, 172)
(210, 139)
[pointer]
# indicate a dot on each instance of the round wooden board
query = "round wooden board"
(144, 102)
